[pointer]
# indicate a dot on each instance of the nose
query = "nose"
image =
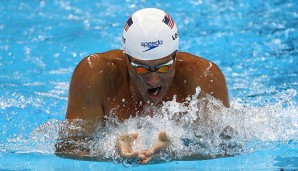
(153, 79)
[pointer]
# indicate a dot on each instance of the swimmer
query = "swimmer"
(148, 71)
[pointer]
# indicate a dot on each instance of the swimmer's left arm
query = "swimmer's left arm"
(162, 144)
(217, 86)
(212, 81)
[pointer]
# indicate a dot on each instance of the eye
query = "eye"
(141, 70)
(164, 68)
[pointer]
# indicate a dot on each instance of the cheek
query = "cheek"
(171, 75)
(136, 78)
(132, 75)
(168, 80)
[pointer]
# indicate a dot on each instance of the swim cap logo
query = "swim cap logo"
(123, 40)
(151, 45)
(174, 37)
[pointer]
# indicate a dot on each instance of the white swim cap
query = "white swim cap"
(150, 34)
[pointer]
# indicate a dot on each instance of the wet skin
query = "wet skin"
(152, 86)
(106, 82)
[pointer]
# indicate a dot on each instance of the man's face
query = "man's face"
(152, 77)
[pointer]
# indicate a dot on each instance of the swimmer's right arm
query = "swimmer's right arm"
(84, 105)
(74, 148)
(76, 141)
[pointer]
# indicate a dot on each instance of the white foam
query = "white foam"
(191, 128)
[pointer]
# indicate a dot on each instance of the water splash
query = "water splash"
(209, 132)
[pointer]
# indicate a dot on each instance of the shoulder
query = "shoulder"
(195, 64)
(186, 59)
(102, 60)
(101, 67)
(197, 71)
(99, 64)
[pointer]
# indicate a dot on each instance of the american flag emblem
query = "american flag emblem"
(129, 22)
(168, 21)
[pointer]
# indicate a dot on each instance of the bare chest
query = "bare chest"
(122, 106)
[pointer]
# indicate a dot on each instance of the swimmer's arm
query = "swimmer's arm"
(212, 82)
(225, 135)
(191, 157)
(164, 144)
(74, 148)
(194, 157)
(152, 155)
(78, 148)
(218, 86)
(187, 157)
(84, 103)
(76, 140)
(86, 92)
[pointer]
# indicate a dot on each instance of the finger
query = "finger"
(148, 152)
(124, 144)
(125, 150)
(163, 136)
(145, 161)
(132, 136)
(128, 137)
(141, 156)
(133, 155)
(159, 145)
(135, 135)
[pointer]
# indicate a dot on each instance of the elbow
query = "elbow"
(60, 150)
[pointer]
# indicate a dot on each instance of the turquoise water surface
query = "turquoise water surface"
(254, 42)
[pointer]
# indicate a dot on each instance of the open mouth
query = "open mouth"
(154, 92)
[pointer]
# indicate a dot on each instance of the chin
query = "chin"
(154, 99)
(154, 102)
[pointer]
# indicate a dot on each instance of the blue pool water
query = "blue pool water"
(255, 43)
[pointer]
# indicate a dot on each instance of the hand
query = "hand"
(161, 144)
(124, 144)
